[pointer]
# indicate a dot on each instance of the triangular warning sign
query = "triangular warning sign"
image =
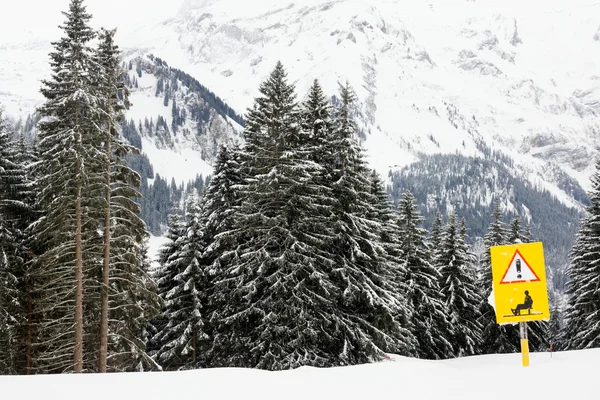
(519, 271)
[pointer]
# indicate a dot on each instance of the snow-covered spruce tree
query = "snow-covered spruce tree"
(496, 338)
(280, 309)
(459, 287)
(14, 217)
(435, 237)
(220, 203)
(107, 75)
(9, 310)
(164, 277)
(393, 256)
(369, 302)
(582, 278)
(129, 298)
(515, 233)
(316, 120)
(26, 214)
(429, 321)
(179, 340)
(70, 187)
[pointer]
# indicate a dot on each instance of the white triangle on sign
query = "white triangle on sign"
(519, 271)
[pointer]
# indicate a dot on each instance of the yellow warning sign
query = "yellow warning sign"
(519, 276)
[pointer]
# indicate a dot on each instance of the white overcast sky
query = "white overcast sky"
(39, 18)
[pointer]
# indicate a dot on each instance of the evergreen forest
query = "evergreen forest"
(294, 253)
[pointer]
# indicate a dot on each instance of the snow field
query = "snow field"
(567, 375)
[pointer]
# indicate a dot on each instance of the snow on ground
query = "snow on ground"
(567, 375)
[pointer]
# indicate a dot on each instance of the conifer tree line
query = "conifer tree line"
(293, 254)
(75, 295)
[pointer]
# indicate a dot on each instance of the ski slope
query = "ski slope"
(567, 375)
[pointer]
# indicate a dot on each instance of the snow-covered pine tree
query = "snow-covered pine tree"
(108, 79)
(129, 298)
(280, 308)
(316, 119)
(496, 338)
(435, 237)
(362, 272)
(459, 287)
(69, 188)
(9, 308)
(220, 202)
(179, 340)
(429, 321)
(515, 233)
(393, 256)
(582, 278)
(13, 220)
(27, 213)
(165, 278)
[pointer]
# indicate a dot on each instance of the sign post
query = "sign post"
(524, 343)
(520, 292)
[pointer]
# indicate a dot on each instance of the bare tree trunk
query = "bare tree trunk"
(194, 334)
(104, 312)
(29, 333)
(78, 284)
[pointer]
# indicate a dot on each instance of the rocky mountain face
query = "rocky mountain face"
(172, 111)
(525, 76)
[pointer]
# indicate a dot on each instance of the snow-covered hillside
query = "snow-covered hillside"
(432, 76)
(524, 76)
(569, 375)
(193, 129)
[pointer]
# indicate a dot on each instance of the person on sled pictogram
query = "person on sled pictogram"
(527, 304)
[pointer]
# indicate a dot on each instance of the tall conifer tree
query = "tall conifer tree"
(129, 298)
(429, 321)
(276, 275)
(69, 185)
(369, 297)
(459, 287)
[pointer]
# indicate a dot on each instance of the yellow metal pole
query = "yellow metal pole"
(524, 343)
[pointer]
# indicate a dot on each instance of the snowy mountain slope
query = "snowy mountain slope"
(435, 76)
(187, 143)
(564, 375)
(526, 75)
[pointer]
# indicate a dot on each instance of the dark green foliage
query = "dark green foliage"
(428, 318)
(582, 314)
(459, 288)
(466, 184)
(16, 213)
(70, 185)
(183, 284)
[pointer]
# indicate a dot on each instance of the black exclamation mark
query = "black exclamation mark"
(518, 268)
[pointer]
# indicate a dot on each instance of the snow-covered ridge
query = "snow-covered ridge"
(527, 73)
(524, 75)
(186, 144)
